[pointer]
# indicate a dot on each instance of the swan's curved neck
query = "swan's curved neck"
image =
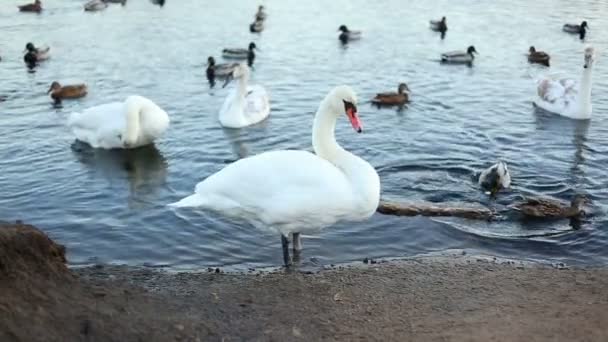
(133, 120)
(585, 91)
(323, 137)
(242, 82)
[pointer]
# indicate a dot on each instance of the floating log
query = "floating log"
(428, 209)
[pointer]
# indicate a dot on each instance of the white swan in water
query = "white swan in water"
(566, 97)
(133, 123)
(294, 191)
(246, 104)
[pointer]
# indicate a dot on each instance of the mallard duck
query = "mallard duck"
(459, 56)
(439, 25)
(391, 98)
(40, 53)
(347, 35)
(539, 57)
(495, 178)
(35, 7)
(59, 92)
(550, 208)
(248, 53)
(218, 70)
(260, 15)
(160, 3)
(257, 26)
(580, 29)
(95, 5)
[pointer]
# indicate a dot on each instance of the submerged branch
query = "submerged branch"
(428, 209)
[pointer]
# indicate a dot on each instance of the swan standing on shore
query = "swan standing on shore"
(294, 191)
(133, 123)
(246, 104)
(566, 97)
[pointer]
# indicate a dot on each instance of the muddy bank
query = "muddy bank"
(425, 299)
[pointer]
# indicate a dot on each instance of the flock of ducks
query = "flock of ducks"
(301, 192)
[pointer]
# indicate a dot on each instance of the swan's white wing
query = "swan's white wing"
(100, 126)
(286, 190)
(258, 104)
(550, 90)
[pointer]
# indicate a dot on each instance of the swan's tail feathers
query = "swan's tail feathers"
(193, 200)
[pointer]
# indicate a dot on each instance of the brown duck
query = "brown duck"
(549, 208)
(59, 92)
(35, 7)
(539, 57)
(400, 97)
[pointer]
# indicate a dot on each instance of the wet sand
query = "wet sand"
(426, 299)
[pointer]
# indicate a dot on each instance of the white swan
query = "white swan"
(246, 104)
(495, 178)
(566, 97)
(296, 191)
(133, 123)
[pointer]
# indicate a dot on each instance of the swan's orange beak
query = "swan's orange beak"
(354, 119)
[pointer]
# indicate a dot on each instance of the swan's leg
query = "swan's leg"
(297, 242)
(285, 243)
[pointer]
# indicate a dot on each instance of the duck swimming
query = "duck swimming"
(439, 25)
(35, 7)
(248, 53)
(347, 35)
(392, 98)
(550, 208)
(246, 104)
(495, 178)
(567, 97)
(294, 192)
(218, 70)
(133, 123)
(34, 55)
(459, 57)
(260, 15)
(257, 26)
(59, 92)
(580, 29)
(538, 57)
(95, 5)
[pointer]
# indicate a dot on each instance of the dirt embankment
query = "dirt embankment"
(424, 299)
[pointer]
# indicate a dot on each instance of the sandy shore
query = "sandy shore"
(426, 299)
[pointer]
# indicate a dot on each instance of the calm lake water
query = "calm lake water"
(109, 206)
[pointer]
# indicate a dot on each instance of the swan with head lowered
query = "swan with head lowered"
(291, 191)
(246, 104)
(566, 97)
(133, 123)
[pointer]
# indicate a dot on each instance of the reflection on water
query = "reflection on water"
(145, 168)
(110, 206)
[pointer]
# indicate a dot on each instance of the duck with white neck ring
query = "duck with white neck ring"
(566, 97)
(297, 192)
(133, 123)
(246, 104)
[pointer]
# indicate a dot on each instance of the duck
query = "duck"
(550, 208)
(246, 104)
(260, 14)
(257, 26)
(160, 3)
(567, 97)
(459, 57)
(95, 5)
(133, 123)
(33, 7)
(347, 35)
(439, 25)
(391, 98)
(538, 57)
(41, 54)
(294, 192)
(581, 29)
(59, 92)
(219, 70)
(495, 178)
(238, 53)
